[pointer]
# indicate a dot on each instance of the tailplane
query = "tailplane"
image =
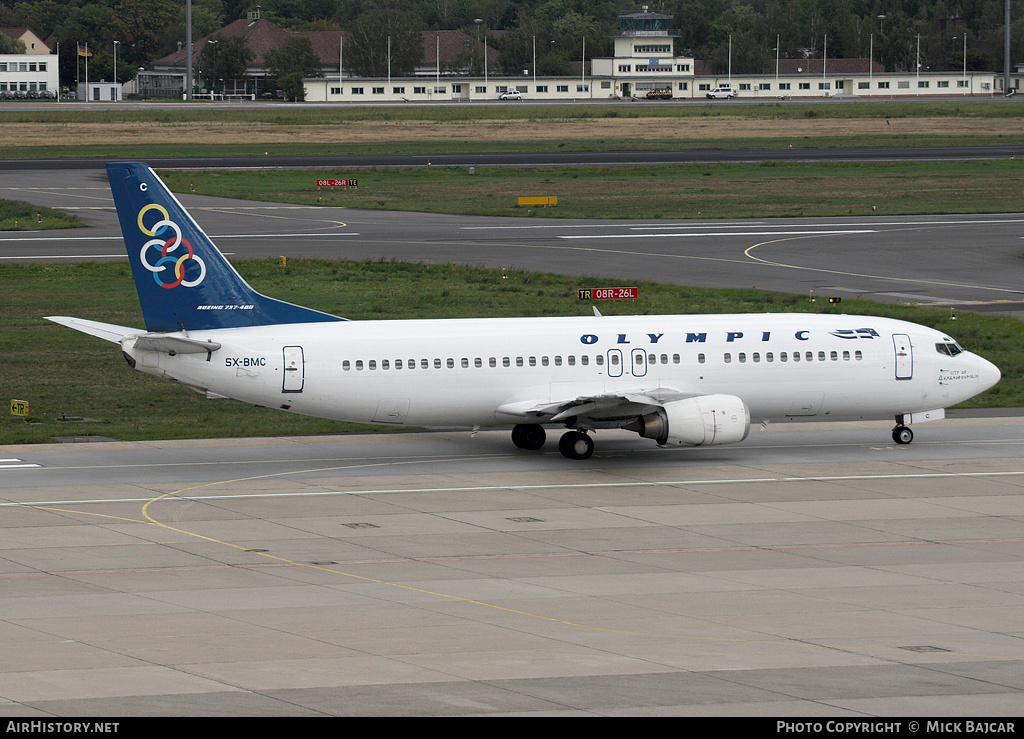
(183, 281)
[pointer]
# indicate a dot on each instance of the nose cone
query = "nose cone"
(988, 374)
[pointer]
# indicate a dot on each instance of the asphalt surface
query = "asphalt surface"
(814, 570)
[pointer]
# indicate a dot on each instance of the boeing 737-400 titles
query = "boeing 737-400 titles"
(680, 380)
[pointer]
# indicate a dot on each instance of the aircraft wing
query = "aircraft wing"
(605, 410)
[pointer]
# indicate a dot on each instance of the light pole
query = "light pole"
(216, 66)
(115, 69)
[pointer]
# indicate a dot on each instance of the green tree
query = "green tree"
(10, 45)
(291, 62)
(224, 58)
(138, 25)
(367, 54)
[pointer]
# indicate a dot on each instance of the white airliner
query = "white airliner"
(684, 380)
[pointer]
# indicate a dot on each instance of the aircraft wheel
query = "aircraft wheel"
(529, 436)
(576, 445)
(902, 435)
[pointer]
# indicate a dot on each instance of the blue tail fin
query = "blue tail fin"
(183, 281)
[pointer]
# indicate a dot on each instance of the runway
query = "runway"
(813, 570)
(806, 572)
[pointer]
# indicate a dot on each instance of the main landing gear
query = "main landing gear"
(902, 434)
(572, 445)
(576, 445)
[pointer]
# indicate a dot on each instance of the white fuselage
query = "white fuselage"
(461, 372)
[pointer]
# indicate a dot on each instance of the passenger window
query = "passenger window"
(437, 363)
(505, 362)
(465, 363)
(834, 356)
(769, 357)
(585, 360)
(571, 359)
(743, 357)
(796, 356)
(359, 364)
(600, 360)
(756, 356)
(519, 361)
(613, 359)
(372, 364)
(493, 362)
(700, 359)
(424, 364)
(675, 359)
(664, 358)
(398, 364)
(385, 364)
(478, 362)
(544, 361)
(533, 361)
(821, 356)
(346, 366)
(728, 357)
(558, 361)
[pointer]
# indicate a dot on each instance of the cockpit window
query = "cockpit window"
(951, 349)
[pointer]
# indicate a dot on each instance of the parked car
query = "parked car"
(659, 95)
(511, 95)
(722, 92)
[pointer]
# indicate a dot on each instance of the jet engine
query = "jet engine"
(701, 421)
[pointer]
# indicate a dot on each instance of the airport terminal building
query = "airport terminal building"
(647, 64)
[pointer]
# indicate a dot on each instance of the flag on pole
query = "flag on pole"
(84, 50)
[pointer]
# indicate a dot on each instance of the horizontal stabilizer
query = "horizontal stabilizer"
(105, 331)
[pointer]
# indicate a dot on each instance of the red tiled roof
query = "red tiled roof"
(262, 36)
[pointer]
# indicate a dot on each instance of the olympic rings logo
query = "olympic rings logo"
(167, 239)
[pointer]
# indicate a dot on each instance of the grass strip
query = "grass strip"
(16, 215)
(754, 190)
(65, 373)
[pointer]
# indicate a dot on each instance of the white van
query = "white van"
(722, 92)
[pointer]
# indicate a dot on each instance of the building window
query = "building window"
(883, 85)
(419, 91)
(824, 85)
(961, 83)
(684, 85)
(582, 88)
(903, 84)
(440, 90)
(805, 85)
(378, 90)
(625, 67)
(703, 87)
(479, 90)
(922, 83)
(745, 86)
(563, 88)
(764, 86)
(783, 85)
(335, 90)
(682, 67)
(605, 85)
(542, 88)
(357, 91)
(863, 85)
(942, 83)
(398, 90)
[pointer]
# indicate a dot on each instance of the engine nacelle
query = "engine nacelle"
(701, 421)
